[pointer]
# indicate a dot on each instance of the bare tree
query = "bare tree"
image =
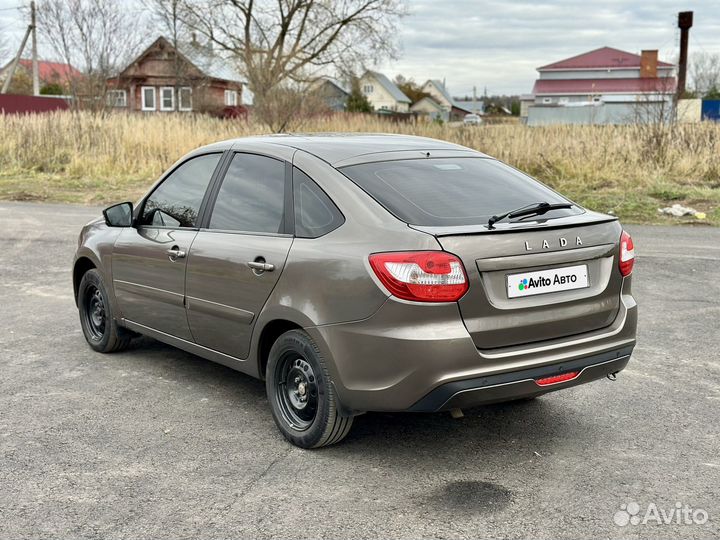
(705, 72)
(282, 42)
(98, 36)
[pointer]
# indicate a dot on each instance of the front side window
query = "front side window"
(451, 191)
(315, 213)
(167, 98)
(148, 98)
(231, 98)
(252, 196)
(176, 202)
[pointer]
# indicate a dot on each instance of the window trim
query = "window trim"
(231, 92)
(140, 208)
(288, 215)
(116, 91)
(172, 98)
(179, 101)
(142, 98)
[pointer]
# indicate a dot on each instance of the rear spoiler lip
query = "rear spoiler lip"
(587, 218)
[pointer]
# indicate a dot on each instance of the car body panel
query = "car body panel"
(494, 320)
(223, 294)
(149, 286)
(404, 351)
(382, 353)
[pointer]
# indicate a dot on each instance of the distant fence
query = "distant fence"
(711, 109)
(12, 104)
(604, 113)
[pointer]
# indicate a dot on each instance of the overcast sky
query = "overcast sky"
(498, 44)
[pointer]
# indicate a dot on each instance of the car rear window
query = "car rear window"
(451, 191)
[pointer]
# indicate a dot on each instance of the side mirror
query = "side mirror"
(119, 215)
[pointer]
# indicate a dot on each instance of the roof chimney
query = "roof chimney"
(685, 22)
(648, 64)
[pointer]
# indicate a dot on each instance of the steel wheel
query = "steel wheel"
(94, 312)
(297, 395)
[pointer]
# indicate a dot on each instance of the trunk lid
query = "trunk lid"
(495, 320)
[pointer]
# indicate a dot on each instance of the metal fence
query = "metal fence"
(13, 104)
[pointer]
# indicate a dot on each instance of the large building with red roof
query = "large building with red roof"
(48, 72)
(619, 80)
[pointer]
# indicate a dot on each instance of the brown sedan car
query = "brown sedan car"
(360, 273)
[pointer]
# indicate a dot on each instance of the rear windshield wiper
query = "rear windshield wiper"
(528, 210)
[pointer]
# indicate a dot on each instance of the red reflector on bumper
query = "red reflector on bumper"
(547, 381)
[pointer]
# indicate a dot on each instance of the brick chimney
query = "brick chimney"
(648, 64)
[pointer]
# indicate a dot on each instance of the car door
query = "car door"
(149, 260)
(236, 260)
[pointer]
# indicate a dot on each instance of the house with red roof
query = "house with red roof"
(49, 73)
(614, 82)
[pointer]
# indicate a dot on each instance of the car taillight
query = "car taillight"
(421, 276)
(627, 254)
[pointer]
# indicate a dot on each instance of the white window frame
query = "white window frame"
(179, 100)
(228, 94)
(547, 100)
(112, 96)
(142, 98)
(162, 98)
(368, 89)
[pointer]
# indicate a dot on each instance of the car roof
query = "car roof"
(335, 148)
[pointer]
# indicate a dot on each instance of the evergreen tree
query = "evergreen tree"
(357, 101)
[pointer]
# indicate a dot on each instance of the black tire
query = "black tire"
(97, 318)
(297, 370)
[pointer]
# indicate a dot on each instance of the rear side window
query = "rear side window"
(453, 191)
(176, 202)
(315, 213)
(252, 196)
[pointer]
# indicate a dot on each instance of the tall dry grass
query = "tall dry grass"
(101, 157)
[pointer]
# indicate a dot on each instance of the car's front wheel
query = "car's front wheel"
(301, 395)
(96, 317)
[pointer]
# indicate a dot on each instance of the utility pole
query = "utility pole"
(685, 22)
(10, 75)
(35, 74)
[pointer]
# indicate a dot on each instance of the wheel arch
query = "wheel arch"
(272, 330)
(82, 265)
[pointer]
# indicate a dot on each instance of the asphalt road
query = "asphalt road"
(156, 443)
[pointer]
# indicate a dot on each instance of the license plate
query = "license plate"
(547, 281)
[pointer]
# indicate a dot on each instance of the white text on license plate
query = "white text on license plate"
(547, 281)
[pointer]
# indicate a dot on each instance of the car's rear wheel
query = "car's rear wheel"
(301, 395)
(96, 316)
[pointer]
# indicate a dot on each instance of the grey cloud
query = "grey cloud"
(499, 44)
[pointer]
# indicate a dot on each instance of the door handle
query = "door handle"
(175, 253)
(261, 266)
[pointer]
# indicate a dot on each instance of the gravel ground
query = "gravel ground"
(157, 443)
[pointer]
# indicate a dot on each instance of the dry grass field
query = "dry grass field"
(629, 170)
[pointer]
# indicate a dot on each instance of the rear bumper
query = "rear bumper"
(411, 357)
(520, 384)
